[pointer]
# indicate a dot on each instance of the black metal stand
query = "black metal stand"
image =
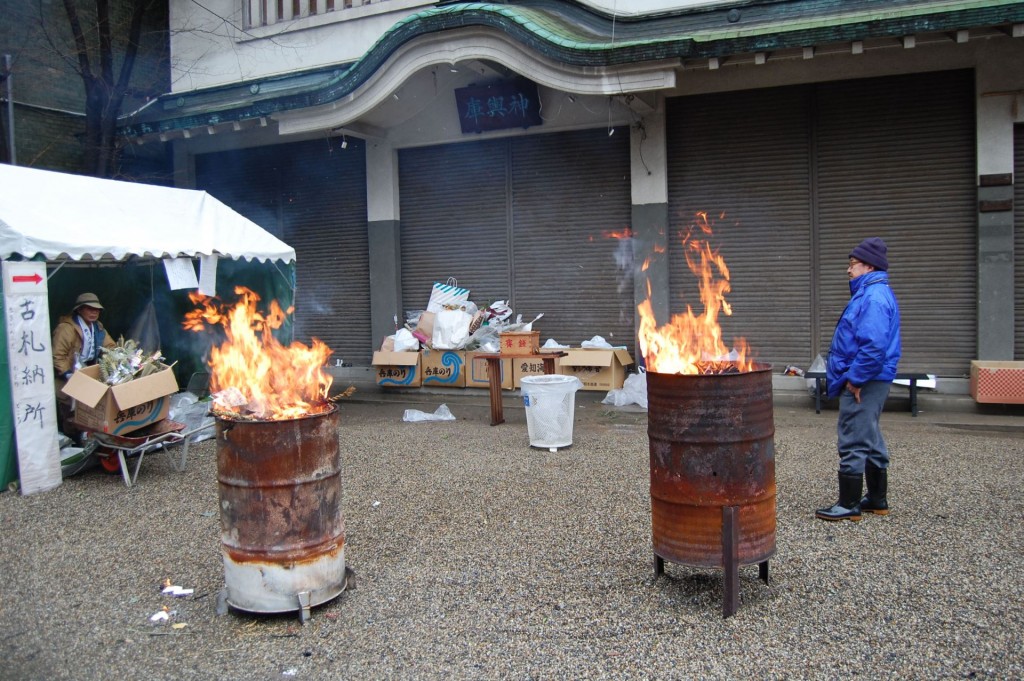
(730, 562)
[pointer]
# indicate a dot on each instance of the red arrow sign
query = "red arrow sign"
(32, 278)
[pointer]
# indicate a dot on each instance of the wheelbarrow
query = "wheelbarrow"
(113, 451)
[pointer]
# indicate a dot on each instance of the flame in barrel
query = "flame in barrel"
(689, 343)
(256, 375)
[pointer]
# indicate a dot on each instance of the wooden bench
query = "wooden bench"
(820, 388)
(494, 376)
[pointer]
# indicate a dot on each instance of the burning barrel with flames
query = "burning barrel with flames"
(712, 454)
(711, 433)
(278, 462)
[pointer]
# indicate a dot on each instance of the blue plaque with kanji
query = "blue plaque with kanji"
(508, 104)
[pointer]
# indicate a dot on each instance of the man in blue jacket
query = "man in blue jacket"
(861, 367)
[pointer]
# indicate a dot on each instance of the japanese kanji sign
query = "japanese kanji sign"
(31, 374)
(510, 104)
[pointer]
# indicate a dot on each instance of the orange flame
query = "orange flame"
(269, 381)
(692, 344)
(624, 234)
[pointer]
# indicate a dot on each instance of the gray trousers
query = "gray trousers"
(860, 438)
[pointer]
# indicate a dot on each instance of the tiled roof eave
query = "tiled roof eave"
(596, 53)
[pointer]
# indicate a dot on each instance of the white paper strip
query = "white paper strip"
(208, 275)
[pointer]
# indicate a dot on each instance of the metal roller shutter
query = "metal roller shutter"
(323, 210)
(571, 194)
(802, 174)
(454, 209)
(896, 159)
(312, 195)
(246, 180)
(526, 220)
(1018, 242)
(743, 158)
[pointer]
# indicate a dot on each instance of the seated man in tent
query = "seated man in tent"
(77, 340)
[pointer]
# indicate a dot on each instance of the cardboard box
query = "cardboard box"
(529, 366)
(597, 369)
(477, 376)
(443, 368)
(999, 382)
(120, 409)
(397, 369)
(519, 342)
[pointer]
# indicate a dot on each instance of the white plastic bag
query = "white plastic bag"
(633, 391)
(186, 408)
(446, 294)
(485, 339)
(597, 342)
(442, 413)
(405, 341)
(451, 329)
(817, 365)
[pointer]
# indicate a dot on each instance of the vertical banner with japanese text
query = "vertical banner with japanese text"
(31, 374)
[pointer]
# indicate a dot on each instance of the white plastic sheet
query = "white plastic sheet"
(633, 391)
(442, 413)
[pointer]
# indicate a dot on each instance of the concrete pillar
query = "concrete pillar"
(649, 177)
(384, 237)
(995, 118)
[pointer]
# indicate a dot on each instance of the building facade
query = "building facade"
(42, 120)
(555, 153)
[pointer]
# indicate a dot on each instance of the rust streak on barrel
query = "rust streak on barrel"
(282, 522)
(711, 446)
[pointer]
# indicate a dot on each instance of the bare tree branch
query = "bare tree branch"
(81, 47)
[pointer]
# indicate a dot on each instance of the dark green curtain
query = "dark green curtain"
(126, 289)
(8, 456)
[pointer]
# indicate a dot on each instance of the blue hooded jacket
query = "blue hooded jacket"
(866, 343)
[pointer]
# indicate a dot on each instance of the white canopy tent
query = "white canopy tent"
(86, 223)
(84, 218)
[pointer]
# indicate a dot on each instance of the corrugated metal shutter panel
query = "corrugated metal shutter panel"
(312, 195)
(454, 212)
(743, 158)
(896, 159)
(324, 215)
(246, 180)
(1018, 242)
(570, 194)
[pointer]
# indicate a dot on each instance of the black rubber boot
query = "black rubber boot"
(875, 500)
(848, 506)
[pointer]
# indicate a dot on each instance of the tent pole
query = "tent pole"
(8, 77)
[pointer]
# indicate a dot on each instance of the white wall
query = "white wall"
(210, 45)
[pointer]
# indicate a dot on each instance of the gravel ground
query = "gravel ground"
(478, 557)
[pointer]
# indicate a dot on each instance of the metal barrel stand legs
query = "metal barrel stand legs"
(730, 562)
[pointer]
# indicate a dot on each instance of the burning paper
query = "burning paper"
(264, 379)
(689, 343)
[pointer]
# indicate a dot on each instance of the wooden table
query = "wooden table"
(494, 376)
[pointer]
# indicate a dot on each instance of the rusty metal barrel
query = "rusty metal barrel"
(712, 447)
(282, 522)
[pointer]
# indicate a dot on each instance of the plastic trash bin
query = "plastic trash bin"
(550, 409)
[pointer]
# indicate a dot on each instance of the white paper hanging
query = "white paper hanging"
(180, 273)
(208, 275)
